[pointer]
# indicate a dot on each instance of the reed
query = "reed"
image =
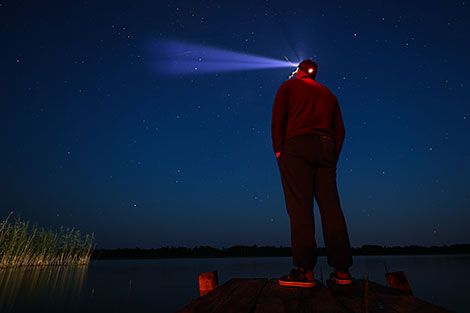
(22, 244)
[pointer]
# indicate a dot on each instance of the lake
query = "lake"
(166, 285)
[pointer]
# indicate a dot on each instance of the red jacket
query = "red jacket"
(303, 106)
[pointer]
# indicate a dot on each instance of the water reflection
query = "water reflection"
(167, 285)
(22, 289)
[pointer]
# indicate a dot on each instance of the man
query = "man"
(308, 133)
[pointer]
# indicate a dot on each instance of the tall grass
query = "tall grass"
(22, 244)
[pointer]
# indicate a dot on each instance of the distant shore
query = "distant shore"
(265, 251)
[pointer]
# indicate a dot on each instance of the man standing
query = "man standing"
(307, 132)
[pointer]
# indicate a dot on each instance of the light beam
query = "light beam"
(176, 58)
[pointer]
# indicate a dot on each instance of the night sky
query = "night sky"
(95, 136)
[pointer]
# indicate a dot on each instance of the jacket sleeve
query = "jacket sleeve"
(338, 128)
(279, 118)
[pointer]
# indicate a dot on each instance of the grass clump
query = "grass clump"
(22, 244)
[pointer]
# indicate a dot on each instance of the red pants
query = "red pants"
(308, 169)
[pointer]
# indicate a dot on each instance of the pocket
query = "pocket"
(283, 149)
(330, 154)
(335, 153)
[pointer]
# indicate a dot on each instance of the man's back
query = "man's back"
(303, 106)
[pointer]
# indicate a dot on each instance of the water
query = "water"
(166, 285)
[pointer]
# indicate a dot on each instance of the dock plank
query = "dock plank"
(280, 299)
(275, 298)
(380, 299)
(320, 299)
(235, 296)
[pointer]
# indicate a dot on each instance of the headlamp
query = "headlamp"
(309, 67)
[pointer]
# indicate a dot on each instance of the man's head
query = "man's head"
(308, 67)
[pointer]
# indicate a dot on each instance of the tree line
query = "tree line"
(266, 251)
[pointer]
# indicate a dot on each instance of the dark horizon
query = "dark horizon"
(97, 137)
(267, 251)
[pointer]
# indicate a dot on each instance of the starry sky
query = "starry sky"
(94, 137)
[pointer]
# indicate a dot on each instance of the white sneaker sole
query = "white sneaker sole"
(340, 281)
(297, 284)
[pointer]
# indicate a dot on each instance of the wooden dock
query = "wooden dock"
(266, 296)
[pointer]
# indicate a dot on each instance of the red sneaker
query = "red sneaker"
(341, 278)
(298, 278)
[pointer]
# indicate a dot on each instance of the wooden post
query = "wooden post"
(398, 280)
(365, 296)
(208, 282)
